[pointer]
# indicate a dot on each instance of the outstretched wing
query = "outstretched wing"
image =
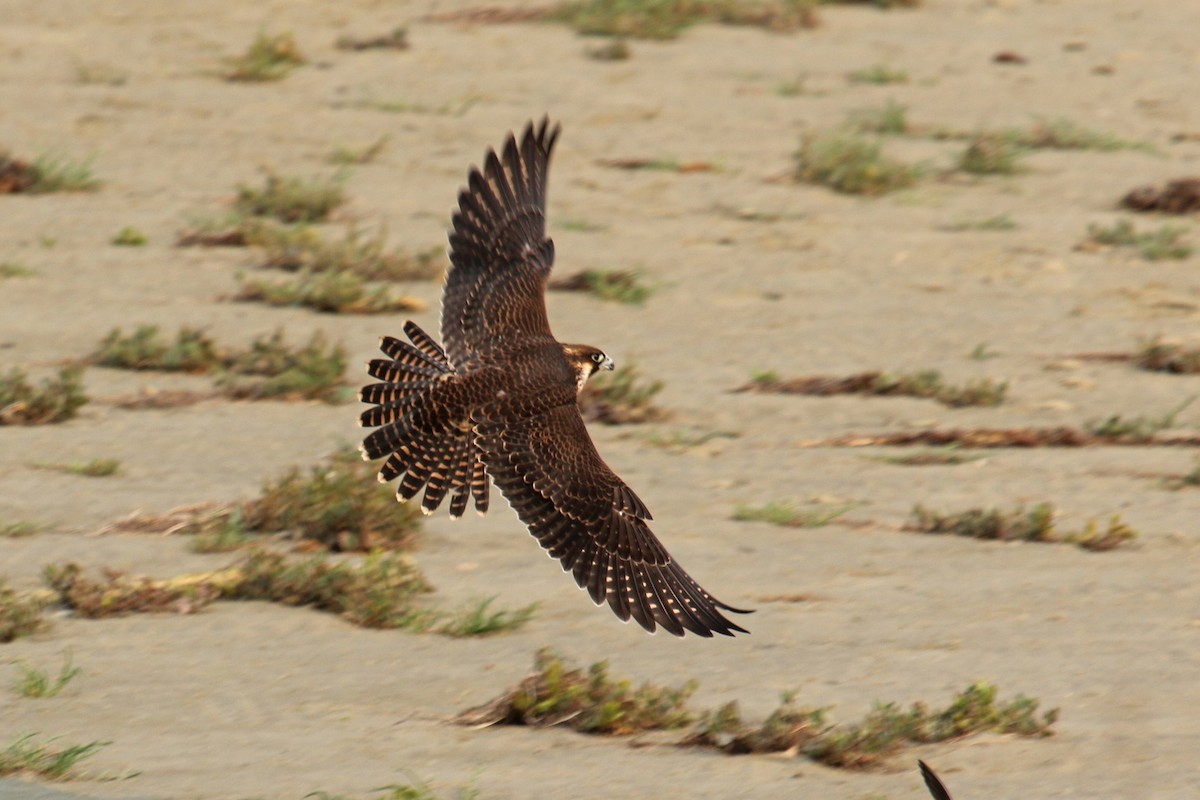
(587, 518)
(499, 254)
(932, 782)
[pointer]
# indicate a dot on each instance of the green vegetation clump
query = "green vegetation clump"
(1140, 428)
(1162, 243)
(923, 384)
(192, 350)
(301, 250)
(329, 292)
(57, 400)
(620, 397)
(345, 155)
(26, 756)
(990, 155)
(851, 164)
(621, 286)
(591, 702)
(313, 371)
(338, 503)
(50, 173)
(477, 620)
(9, 269)
(1032, 525)
(268, 58)
(1159, 355)
(37, 683)
(292, 199)
(890, 118)
(95, 468)
(129, 237)
(667, 19)
(792, 515)
(878, 74)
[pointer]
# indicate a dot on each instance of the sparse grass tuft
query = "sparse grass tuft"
(620, 397)
(116, 594)
(944, 456)
(619, 285)
(96, 468)
(129, 237)
(477, 620)
(987, 154)
(667, 19)
(346, 156)
(329, 292)
(98, 74)
(222, 532)
(1032, 525)
(791, 514)
(999, 222)
(17, 530)
(8, 269)
(888, 728)
(1155, 245)
(25, 755)
(36, 683)
(591, 702)
(57, 400)
(312, 371)
(878, 74)
(50, 173)
(20, 615)
(338, 503)
(851, 164)
(1191, 478)
(614, 50)
(1159, 355)
(292, 199)
(1139, 428)
(890, 118)
(924, 384)
(268, 58)
(298, 249)
(192, 350)
(1063, 134)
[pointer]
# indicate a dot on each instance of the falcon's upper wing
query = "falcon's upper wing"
(500, 256)
(587, 518)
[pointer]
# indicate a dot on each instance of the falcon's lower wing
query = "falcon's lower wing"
(586, 517)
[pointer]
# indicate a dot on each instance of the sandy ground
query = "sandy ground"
(254, 700)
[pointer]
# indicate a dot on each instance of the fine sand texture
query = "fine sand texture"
(752, 270)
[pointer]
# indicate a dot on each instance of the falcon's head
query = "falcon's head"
(586, 361)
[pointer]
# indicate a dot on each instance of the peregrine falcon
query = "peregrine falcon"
(498, 403)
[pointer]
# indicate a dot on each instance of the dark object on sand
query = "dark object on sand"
(1180, 196)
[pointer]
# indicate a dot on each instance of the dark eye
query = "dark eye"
(597, 357)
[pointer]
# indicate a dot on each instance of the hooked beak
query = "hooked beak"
(608, 364)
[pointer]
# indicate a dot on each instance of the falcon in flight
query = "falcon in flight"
(498, 403)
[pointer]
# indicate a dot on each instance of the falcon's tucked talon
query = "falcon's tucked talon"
(499, 402)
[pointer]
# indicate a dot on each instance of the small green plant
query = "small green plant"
(792, 515)
(851, 164)
(313, 371)
(220, 533)
(1063, 134)
(347, 156)
(51, 173)
(1159, 355)
(9, 269)
(999, 222)
(329, 292)
(924, 384)
(337, 503)
(268, 58)
(981, 352)
(26, 755)
(57, 400)
(1140, 427)
(292, 199)
(878, 74)
(620, 397)
(20, 615)
(591, 701)
(17, 530)
(129, 237)
(192, 350)
(667, 19)
(889, 119)
(298, 249)
(95, 468)
(477, 620)
(618, 285)
(1032, 525)
(36, 683)
(1163, 243)
(990, 155)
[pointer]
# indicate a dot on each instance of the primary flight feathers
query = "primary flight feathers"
(499, 403)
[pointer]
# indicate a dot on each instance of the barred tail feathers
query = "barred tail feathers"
(423, 448)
